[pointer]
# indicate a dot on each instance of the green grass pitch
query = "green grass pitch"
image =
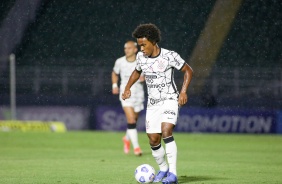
(97, 157)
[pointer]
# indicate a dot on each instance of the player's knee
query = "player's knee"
(154, 141)
(131, 120)
(166, 133)
(167, 130)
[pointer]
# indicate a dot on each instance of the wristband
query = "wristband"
(114, 85)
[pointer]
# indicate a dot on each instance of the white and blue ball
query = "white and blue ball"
(144, 173)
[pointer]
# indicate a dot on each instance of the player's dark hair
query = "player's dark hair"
(149, 31)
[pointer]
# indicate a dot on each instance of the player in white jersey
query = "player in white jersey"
(158, 65)
(124, 66)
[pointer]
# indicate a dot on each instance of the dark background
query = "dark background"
(72, 46)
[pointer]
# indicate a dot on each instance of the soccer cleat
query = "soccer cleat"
(126, 145)
(170, 179)
(160, 176)
(138, 151)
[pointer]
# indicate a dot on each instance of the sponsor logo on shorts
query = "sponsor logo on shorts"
(147, 124)
(170, 112)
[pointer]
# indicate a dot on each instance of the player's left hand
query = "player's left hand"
(183, 98)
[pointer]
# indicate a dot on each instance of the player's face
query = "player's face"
(129, 49)
(146, 46)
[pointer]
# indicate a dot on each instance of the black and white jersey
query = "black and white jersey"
(159, 75)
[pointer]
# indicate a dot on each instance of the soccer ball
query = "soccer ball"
(144, 173)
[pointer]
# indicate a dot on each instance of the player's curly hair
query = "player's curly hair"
(149, 31)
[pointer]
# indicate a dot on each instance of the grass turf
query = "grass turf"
(97, 157)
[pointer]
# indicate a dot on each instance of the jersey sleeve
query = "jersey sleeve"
(116, 68)
(176, 61)
(138, 63)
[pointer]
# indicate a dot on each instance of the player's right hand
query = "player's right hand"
(126, 94)
(115, 91)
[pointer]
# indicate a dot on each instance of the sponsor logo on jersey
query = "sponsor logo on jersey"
(155, 101)
(149, 81)
(151, 76)
(156, 85)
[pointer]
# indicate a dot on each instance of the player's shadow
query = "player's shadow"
(191, 179)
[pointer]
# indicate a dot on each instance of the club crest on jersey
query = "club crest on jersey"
(161, 64)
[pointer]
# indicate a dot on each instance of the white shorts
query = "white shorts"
(156, 115)
(137, 103)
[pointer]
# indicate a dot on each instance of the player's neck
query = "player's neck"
(156, 51)
(131, 58)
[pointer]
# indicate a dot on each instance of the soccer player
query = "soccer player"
(158, 64)
(124, 67)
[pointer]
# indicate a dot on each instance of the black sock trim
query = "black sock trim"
(156, 147)
(131, 126)
(168, 139)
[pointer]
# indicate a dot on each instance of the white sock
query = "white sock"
(126, 135)
(171, 154)
(159, 155)
(132, 133)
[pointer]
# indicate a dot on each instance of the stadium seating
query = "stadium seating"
(255, 37)
(5, 7)
(73, 34)
(68, 36)
(98, 30)
(250, 59)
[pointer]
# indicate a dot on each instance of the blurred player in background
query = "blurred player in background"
(158, 64)
(124, 66)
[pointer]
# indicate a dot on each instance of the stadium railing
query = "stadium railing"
(222, 82)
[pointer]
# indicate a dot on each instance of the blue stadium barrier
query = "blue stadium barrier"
(279, 122)
(201, 120)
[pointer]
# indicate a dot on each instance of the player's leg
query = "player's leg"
(131, 118)
(153, 129)
(171, 152)
(169, 119)
(158, 153)
(137, 150)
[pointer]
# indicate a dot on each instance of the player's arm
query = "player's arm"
(115, 89)
(188, 73)
(133, 78)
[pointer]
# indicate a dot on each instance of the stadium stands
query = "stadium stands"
(71, 47)
(4, 8)
(68, 30)
(255, 37)
(251, 56)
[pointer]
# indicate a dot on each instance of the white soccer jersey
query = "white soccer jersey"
(125, 69)
(159, 77)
